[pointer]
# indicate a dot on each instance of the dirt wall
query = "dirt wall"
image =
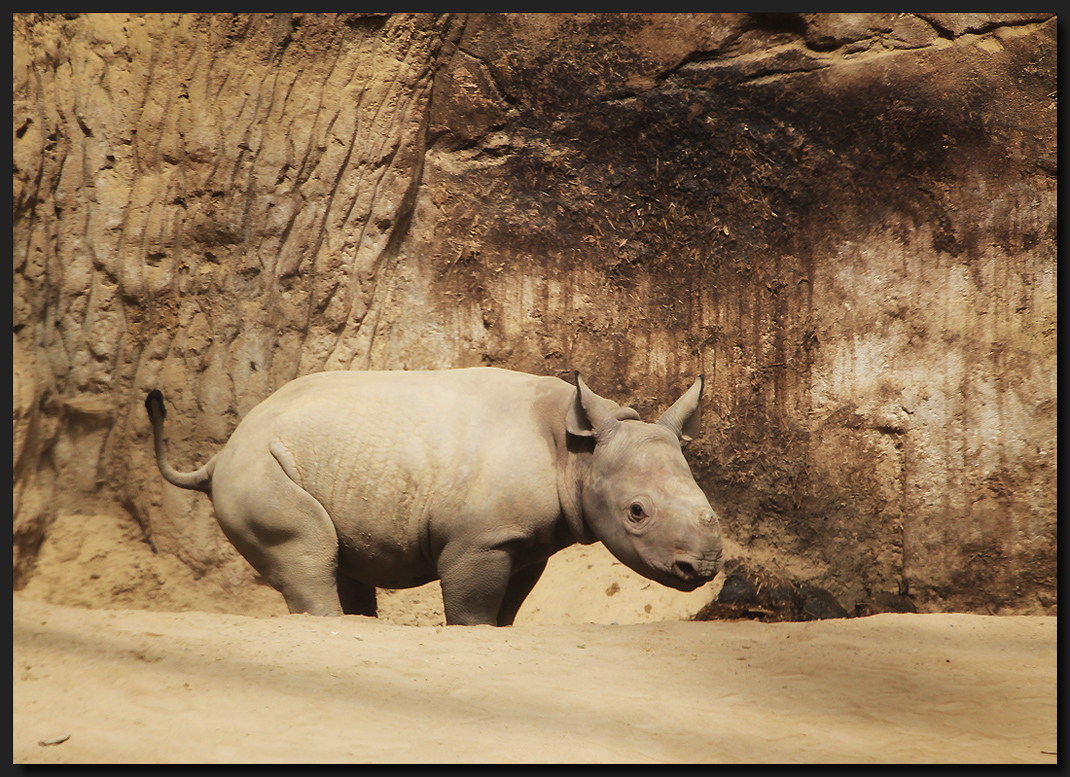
(845, 221)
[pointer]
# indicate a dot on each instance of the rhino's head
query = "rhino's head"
(639, 496)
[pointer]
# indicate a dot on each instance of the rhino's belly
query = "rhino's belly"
(380, 538)
(382, 564)
(378, 503)
(380, 526)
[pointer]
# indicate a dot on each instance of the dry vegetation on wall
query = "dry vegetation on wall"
(845, 221)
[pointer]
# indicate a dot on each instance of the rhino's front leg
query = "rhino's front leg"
(474, 581)
(520, 585)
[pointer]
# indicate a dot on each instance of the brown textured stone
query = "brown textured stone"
(817, 211)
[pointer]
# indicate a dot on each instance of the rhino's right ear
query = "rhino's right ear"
(684, 418)
(589, 415)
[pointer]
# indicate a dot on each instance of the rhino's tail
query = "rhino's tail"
(198, 480)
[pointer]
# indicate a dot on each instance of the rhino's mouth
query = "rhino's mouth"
(686, 572)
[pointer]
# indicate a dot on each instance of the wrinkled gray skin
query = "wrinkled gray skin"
(341, 482)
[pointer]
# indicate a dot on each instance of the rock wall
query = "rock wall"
(845, 221)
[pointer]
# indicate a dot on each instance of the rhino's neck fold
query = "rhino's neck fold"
(575, 455)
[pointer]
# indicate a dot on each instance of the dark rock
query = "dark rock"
(756, 593)
(738, 590)
(818, 604)
(884, 601)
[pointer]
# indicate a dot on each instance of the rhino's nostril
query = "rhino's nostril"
(685, 569)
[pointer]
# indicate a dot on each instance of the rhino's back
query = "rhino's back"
(473, 390)
(439, 405)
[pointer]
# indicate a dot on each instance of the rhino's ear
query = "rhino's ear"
(684, 418)
(591, 415)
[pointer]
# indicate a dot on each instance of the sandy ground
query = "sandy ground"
(96, 686)
(152, 665)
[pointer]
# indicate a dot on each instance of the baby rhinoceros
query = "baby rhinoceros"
(341, 482)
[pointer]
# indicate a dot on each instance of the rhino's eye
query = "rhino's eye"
(636, 511)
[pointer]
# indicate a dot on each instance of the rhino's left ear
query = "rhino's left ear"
(684, 418)
(589, 415)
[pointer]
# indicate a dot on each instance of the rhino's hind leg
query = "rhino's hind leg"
(356, 598)
(283, 531)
